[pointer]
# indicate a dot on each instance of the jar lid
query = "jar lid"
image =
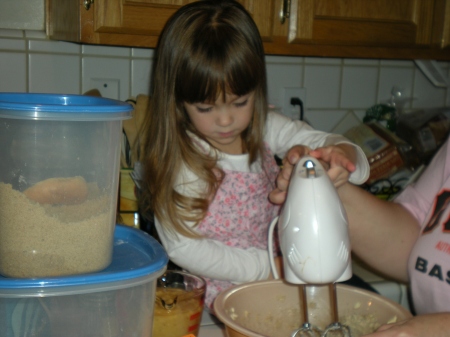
(62, 107)
(137, 257)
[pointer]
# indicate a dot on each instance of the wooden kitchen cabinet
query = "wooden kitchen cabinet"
(136, 23)
(110, 22)
(398, 29)
(406, 29)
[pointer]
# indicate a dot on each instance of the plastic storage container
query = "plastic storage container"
(115, 302)
(59, 173)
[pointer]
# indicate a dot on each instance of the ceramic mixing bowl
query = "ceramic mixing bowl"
(272, 309)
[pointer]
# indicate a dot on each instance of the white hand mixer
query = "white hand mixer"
(314, 241)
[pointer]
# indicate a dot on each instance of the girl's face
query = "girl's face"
(222, 122)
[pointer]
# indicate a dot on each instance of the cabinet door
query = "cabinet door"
(135, 23)
(442, 19)
(370, 23)
(139, 21)
(264, 15)
(375, 28)
(147, 17)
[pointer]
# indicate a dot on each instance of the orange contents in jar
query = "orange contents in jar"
(177, 312)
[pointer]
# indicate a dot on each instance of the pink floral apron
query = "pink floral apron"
(240, 214)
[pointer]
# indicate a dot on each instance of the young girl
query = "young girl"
(209, 153)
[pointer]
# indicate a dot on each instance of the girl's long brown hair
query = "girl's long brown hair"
(206, 48)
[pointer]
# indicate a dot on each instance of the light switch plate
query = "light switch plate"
(109, 88)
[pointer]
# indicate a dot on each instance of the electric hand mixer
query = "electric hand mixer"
(314, 241)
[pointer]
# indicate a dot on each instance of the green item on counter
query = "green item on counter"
(382, 112)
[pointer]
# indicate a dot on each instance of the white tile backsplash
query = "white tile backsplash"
(274, 59)
(146, 53)
(35, 34)
(140, 73)
(395, 76)
(54, 73)
(98, 69)
(361, 62)
(105, 50)
(324, 119)
(12, 44)
(15, 33)
(397, 63)
(323, 86)
(359, 87)
(30, 62)
(323, 61)
(13, 72)
(425, 94)
(56, 47)
(447, 99)
(282, 72)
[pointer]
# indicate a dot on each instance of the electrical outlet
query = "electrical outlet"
(109, 88)
(286, 107)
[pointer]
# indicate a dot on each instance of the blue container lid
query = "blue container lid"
(62, 107)
(135, 255)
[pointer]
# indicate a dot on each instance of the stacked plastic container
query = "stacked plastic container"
(66, 268)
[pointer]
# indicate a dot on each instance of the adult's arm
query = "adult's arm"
(382, 233)
(430, 325)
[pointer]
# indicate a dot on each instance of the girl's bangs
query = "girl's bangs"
(218, 73)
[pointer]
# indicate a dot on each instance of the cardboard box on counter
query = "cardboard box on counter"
(426, 130)
(383, 155)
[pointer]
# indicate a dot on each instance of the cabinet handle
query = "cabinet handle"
(87, 4)
(285, 10)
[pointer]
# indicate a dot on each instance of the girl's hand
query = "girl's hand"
(338, 160)
(431, 325)
(278, 195)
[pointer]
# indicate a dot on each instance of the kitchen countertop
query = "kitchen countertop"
(210, 326)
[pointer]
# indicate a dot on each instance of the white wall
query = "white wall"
(22, 14)
(29, 62)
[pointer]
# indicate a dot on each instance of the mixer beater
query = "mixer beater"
(314, 241)
(307, 329)
(335, 329)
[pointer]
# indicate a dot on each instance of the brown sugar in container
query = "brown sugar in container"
(59, 172)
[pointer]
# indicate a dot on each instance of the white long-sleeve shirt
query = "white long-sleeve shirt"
(214, 259)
